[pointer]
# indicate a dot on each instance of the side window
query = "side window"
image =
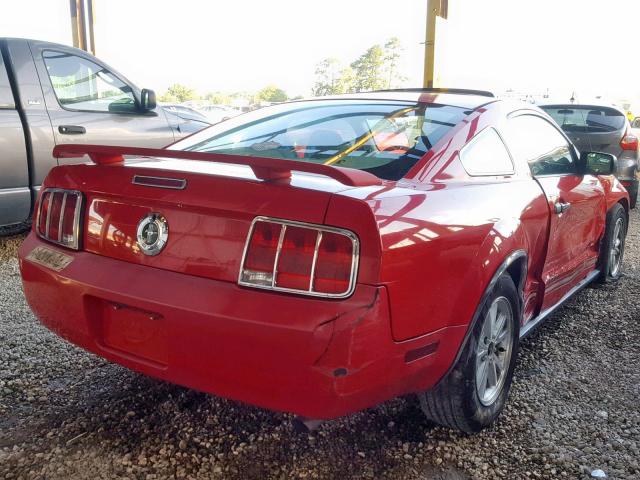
(81, 84)
(6, 96)
(535, 141)
(486, 155)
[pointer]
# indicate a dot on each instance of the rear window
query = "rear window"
(384, 138)
(586, 119)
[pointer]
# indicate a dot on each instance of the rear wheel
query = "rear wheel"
(472, 395)
(612, 247)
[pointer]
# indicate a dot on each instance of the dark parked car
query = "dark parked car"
(602, 128)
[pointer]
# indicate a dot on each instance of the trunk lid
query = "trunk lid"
(208, 221)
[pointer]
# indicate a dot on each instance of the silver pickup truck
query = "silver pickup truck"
(52, 94)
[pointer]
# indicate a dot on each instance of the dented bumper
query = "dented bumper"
(313, 357)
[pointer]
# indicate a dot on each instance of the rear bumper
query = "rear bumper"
(313, 357)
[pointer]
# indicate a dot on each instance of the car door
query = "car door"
(90, 103)
(576, 202)
(15, 194)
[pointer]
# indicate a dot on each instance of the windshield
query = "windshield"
(385, 138)
(586, 119)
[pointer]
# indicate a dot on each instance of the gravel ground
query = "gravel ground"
(574, 408)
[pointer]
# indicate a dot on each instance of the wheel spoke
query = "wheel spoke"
(486, 329)
(499, 325)
(502, 336)
(493, 311)
(481, 378)
(492, 376)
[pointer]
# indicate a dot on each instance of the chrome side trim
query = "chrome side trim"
(535, 322)
(148, 181)
(319, 228)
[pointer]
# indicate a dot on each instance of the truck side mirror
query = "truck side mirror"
(147, 99)
(598, 163)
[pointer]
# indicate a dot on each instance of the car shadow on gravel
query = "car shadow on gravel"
(131, 414)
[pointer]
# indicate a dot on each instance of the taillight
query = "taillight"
(300, 258)
(58, 217)
(629, 142)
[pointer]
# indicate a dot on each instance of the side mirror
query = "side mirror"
(147, 100)
(598, 163)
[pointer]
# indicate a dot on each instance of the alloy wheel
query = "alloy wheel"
(617, 248)
(494, 350)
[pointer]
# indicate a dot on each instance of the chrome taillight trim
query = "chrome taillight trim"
(355, 258)
(75, 245)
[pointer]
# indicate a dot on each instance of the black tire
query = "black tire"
(633, 195)
(454, 402)
(608, 272)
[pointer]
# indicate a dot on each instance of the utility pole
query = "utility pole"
(435, 8)
(82, 20)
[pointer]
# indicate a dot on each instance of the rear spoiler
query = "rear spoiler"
(268, 169)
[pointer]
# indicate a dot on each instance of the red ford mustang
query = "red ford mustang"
(323, 256)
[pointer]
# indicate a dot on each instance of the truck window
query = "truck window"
(81, 84)
(6, 97)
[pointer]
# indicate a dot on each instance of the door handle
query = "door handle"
(71, 129)
(561, 207)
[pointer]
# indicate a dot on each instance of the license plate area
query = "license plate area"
(131, 331)
(50, 258)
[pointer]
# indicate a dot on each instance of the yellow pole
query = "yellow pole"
(91, 17)
(82, 20)
(430, 43)
(74, 6)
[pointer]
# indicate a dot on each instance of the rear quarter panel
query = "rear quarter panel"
(444, 234)
(442, 246)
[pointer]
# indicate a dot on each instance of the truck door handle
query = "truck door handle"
(561, 207)
(71, 129)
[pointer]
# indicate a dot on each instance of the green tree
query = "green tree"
(375, 69)
(347, 81)
(392, 52)
(327, 77)
(369, 70)
(218, 98)
(271, 93)
(178, 93)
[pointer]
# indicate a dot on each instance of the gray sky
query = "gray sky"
(234, 45)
